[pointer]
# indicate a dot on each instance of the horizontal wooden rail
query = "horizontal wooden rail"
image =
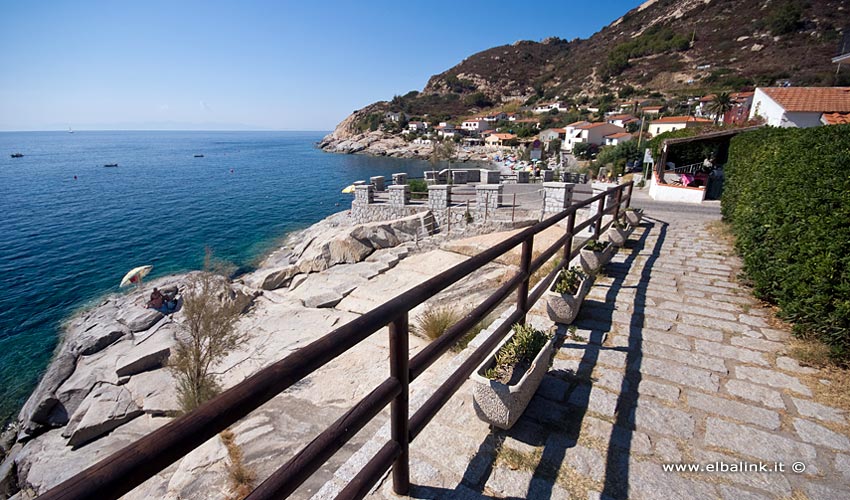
(122, 471)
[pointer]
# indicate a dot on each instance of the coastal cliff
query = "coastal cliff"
(109, 383)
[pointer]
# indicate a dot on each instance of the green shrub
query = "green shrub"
(569, 280)
(418, 188)
(786, 195)
(518, 352)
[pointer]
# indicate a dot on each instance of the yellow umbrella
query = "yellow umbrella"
(135, 275)
(349, 189)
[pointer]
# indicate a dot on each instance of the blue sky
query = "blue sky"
(247, 65)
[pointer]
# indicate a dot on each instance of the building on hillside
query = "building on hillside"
(496, 117)
(529, 121)
(652, 110)
(499, 139)
(546, 107)
(671, 123)
(798, 106)
(417, 126)
(551, 134)
(393, 116)
(622, 120)
(618, 138)
(474, 125)
(586, 132)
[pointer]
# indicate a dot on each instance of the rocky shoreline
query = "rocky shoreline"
(380, 143)
(109, 383)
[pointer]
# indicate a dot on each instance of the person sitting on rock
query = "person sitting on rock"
(156, 301)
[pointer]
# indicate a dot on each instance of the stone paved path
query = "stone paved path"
(673, 362)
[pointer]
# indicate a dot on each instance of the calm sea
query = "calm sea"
(66, 241)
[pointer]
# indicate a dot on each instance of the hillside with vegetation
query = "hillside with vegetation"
(662, 50)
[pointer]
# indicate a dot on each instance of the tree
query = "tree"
(212, 310)
(720, 105)
(478, 99)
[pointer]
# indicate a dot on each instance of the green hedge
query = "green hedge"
(787, 195)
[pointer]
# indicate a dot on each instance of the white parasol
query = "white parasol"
(135, 275)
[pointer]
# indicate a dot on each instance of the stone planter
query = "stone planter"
(592, 262)
(500, 404)
(633, 217)
(618, 235)
(563, 308)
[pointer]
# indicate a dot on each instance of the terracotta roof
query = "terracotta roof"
(708, 98)
(619, 135)
(621, 117)
(651, 107)
(503, 136)
(812, 99)
(578, 123)
(682, 119)
(558, 130)
(593, 125)
(836, 118)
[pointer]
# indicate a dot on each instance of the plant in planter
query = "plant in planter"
(618, 233)
(564, 297)
(634, 215)
(594, 255)
(506, 381)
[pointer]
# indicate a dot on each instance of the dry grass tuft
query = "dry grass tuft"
(241, 478)
(434, 321)
(810, 352)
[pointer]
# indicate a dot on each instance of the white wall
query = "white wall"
(676, 194)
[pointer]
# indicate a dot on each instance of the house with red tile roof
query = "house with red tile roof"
(618, 138)
(591, 133)
(835, 118)
(799, 106)
(671, 123)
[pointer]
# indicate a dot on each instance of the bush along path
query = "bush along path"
(671, 381)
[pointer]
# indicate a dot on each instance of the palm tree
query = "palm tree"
(720, 105)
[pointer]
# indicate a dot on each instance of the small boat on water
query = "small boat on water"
(110, 165)
(199, 156)
(17, 155)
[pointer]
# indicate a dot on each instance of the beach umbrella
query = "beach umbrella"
(135, 275)
(349, 189)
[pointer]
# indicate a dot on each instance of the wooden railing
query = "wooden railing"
(131, 466)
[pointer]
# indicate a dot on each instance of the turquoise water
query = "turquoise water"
(66, 242)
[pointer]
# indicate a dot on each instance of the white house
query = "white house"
(474, 125)
(621, 120)
(393, 116)
(798, 106)
(551, 134)
(671, 123)
(499, 139)
(417, 126)
(545, 107)
(618, 138)
(591, 133)
(496, 117)
(652, 110)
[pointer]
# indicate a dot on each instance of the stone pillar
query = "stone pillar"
(364, 194)
(378, 182)
(522, 176)
(473, 175)
(399, 179)
(459, 177)
(359, 183)
(557, 196)
(399, 195)
(489, 176)
(439, 196)
(488, 197)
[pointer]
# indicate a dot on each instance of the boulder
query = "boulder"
(146, 356)
(279, 278)
(137, 319)
(107, 407)
(348, 250)
(154, 391)
(98, 337)
(377, 235)
(38, 410)
(90, 371)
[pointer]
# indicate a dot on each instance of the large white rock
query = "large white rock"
(138, 319)
(106, 407)
(148, 355)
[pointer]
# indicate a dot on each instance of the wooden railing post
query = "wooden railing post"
(524, 268)
(631, 192)
(568, 246)
(399, 408)
(600, 212)
(617, 203)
